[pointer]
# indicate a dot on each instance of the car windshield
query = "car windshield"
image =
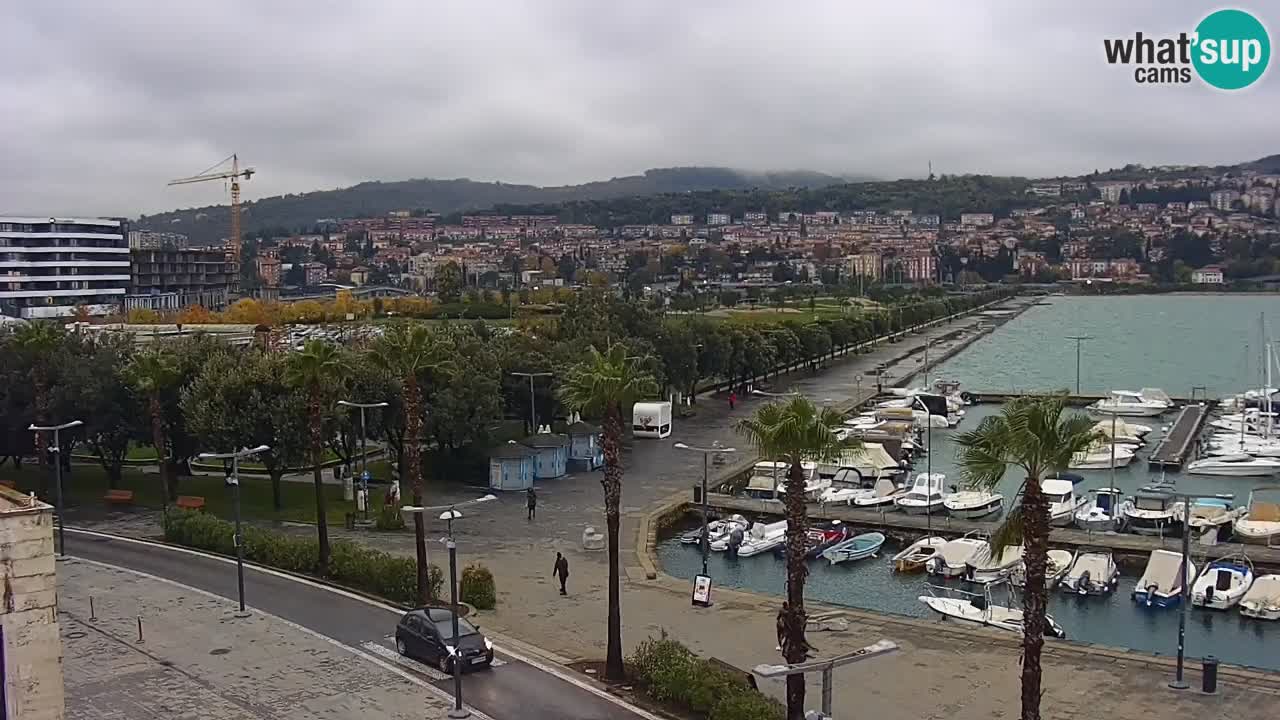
(445, 628)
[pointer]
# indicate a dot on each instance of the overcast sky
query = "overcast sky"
(106, 101)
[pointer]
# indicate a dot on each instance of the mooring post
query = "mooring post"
(92, 615)
(140, 629)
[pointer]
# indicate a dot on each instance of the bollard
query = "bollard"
(140, 629)
(1209, 675)
(92, 615)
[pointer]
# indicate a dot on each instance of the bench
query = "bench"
(190, 502)
(119, 497)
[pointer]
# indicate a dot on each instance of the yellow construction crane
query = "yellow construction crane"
(234, 175)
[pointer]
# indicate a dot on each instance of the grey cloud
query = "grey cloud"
(107, 101)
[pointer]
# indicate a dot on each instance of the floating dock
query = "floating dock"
(1177, 444)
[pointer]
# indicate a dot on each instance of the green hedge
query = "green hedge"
(373, 571)
(669, 672)
(476, 587)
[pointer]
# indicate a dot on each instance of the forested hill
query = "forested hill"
(451, 196)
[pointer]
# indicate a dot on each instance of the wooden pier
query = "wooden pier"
(1128, 548)
(1177, 444)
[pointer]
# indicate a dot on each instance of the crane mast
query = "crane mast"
(233, 175)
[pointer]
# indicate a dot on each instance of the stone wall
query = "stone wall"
(28, 609)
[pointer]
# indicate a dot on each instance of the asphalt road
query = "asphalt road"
(510, 690)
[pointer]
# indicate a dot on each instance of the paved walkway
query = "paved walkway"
(197, 661)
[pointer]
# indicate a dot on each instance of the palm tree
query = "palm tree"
(605, 385)
(792, 432)
(37, 342)
(1029, 434)
(317, 370)
(151, 373)
(406, 352)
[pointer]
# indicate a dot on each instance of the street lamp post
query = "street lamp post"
(57, 473)
(407, 511)
(533, 408)
(234, 481)
(706, 451)
(364, 455)
(826, 667)
(1079, 339)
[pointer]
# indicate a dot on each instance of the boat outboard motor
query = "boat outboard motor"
(1151, 593)
(1082, 585)
(735, 540)
(1208, 594)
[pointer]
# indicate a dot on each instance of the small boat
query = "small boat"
(972, 503)
(818, 539)
(1152, 513)
(925, 495)
(870, 460)
(1262, 601)
(1235, 466)
(1102, 457)
(716, 530)
(1130, 404)
(977, 609)
(1100, 515)
(1119, 431)
(917, 554)
(759, 539)
(1222, 583)
(1092, 573)
(951, 559)
(854, 548)
(982, 568)
(884, 495)
(1063, 501)
(1212, 518)
(1260, 523)
(1059, 562)
(1161, 583)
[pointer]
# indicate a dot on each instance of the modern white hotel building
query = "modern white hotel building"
(48, 266)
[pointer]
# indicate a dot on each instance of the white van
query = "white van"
(651, 420)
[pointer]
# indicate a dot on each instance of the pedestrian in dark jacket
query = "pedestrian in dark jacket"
(531, 502)
(561, 570)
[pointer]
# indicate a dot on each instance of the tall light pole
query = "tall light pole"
(827, 667)
(533, 408)
(1079, 339)
(234, 481)
(407, 511)
(57, 473)
(364, 455)
(706, 451)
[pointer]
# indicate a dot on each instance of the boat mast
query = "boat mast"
(1113, 449)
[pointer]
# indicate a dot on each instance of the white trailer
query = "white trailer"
(651, 420)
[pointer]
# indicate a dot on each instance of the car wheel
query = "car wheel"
(401, 647)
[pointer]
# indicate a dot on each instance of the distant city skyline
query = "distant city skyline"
(557, 93)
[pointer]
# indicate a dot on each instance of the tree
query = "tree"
(1031, 435)
(318, 371)
(606, 385)
(152, 373)
(466, 401)
(36, 345)
(793, 432)
(93, 388)
(407, 352)
(449, 283)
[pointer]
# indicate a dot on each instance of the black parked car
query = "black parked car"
(427, 635)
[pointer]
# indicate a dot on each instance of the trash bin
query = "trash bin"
(350, 521)
(697, 494)
(1209, 676)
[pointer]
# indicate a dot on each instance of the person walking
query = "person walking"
(561, 570)
(733, 399)
(531, 502)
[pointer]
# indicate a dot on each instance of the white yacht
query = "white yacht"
(925, 495)
(951, 559)
(1102, 514)
(1121, 432)
(1092, 573)
(1130, 404)
(972, 503)
(1262, 601)
(982, 568)
(1102, 457)
(1151, 514)
(1063, 501)
(1222, 583)
(977, 609)
(1235, 466)
(1260, 523)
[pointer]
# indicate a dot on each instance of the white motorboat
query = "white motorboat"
(916, 555)
(1212, 518)
(759, 539)
(925, 495)
(972, 503)
(1235, 466)
(1063, 501)
(1102, 457)
(884, 494)
(1102, 513)
(1262, 600)
(1161, 583)
(1092, 573)
(1151, 514)
(1222, 583)
(951, 560)
(977, 609)
(1123, 433)
(716, 530)
(1059, 562)
(982, 568)
(1260, 523)
(1130, 404)
(1219, 445)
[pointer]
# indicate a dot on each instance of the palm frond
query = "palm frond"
(1009, 533)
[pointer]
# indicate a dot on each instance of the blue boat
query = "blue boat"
(855, 548)
(1162, 581)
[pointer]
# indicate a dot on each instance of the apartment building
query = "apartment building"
(168, 280)
(866, 265)
(49, 266)
(153, 240)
